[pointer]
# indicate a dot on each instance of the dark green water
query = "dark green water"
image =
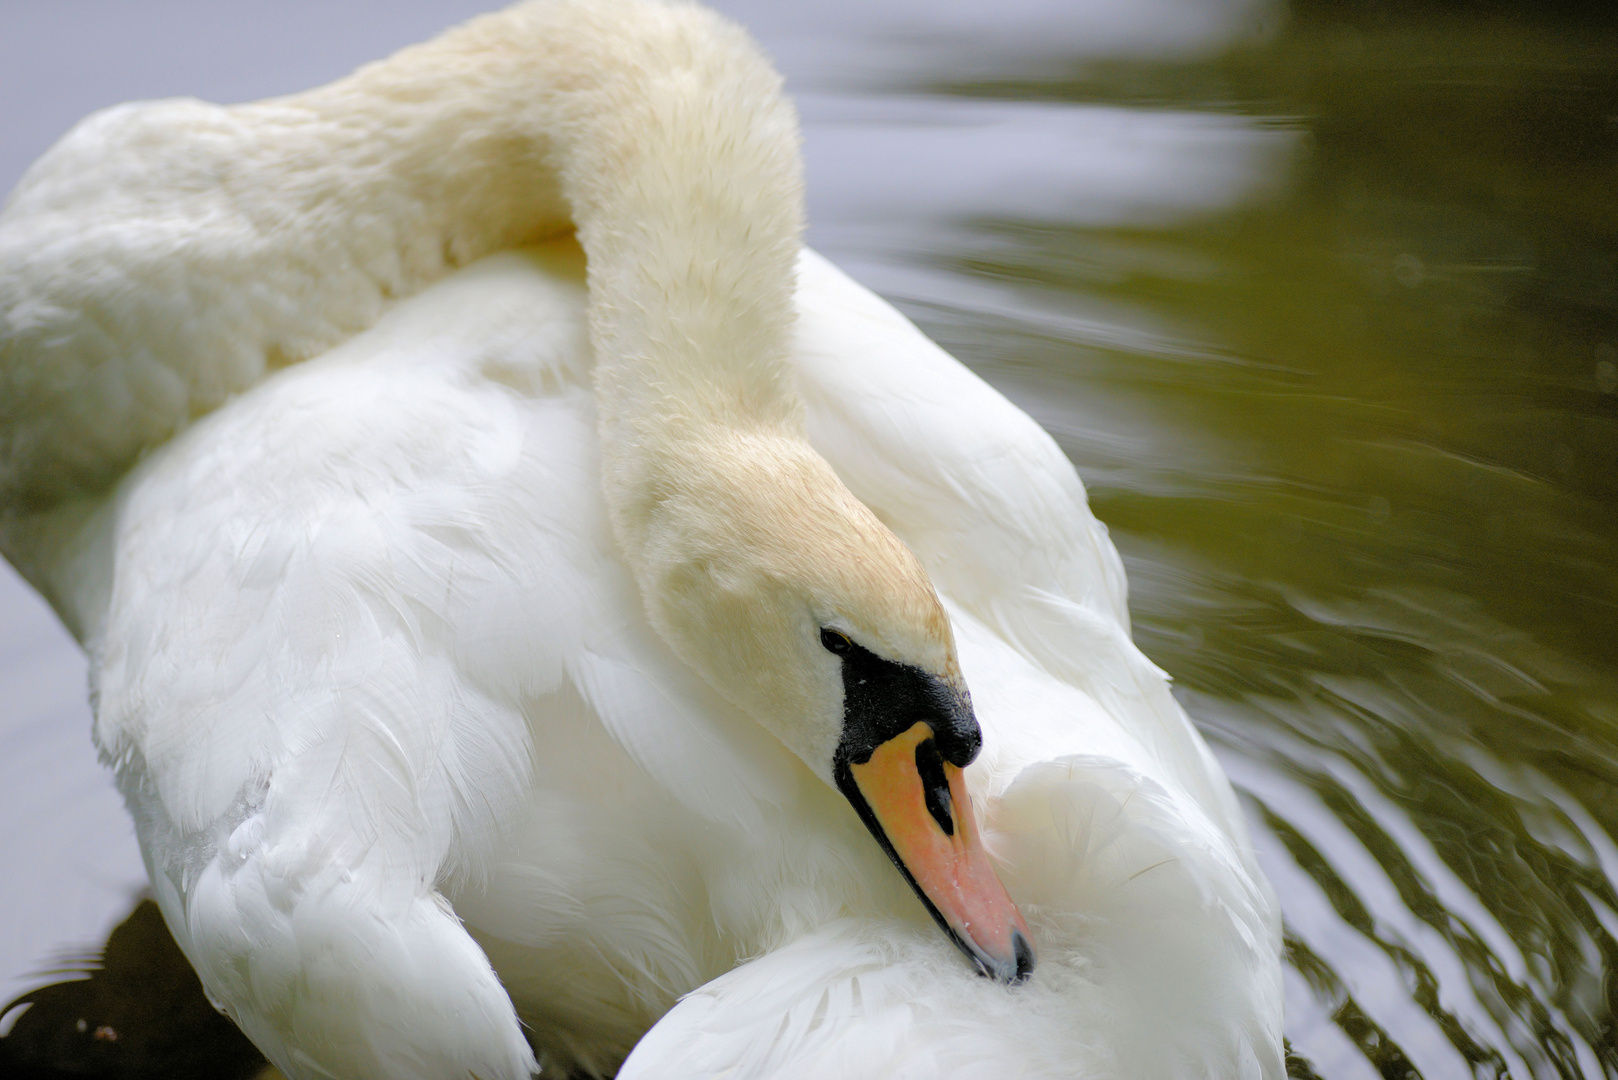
(1364, 474)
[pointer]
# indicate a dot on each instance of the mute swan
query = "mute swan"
(583, 635)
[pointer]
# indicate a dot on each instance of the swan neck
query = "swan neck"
(686, 189)
(678, 156)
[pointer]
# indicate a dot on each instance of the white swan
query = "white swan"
(453, 676)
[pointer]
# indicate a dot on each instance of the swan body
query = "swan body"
(456, 593)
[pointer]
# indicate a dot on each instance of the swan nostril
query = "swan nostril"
(935, 785)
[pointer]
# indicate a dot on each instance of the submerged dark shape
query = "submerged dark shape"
(136, 1013)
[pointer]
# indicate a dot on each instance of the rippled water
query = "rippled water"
(1358, 441)
(1323, 302)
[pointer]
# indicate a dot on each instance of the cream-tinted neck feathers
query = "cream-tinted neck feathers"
(275, 230)
(283, 227)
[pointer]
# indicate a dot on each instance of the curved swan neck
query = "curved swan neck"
(677, 158)
(226, 242)
(686, 186)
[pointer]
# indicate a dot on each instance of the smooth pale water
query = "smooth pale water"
(1322, 301)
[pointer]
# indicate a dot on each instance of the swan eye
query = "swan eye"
(835, 642)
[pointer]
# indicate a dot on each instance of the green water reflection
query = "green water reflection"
(1378, 556)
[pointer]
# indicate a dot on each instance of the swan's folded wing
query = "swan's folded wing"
(977, 489)
(316, 653)
(836, 1002)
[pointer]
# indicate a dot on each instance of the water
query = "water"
(1323, 302)
(1365, 477)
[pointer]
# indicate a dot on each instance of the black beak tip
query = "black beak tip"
(1013, 974)
(1024, 953)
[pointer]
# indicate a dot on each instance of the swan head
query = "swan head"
(788, 595)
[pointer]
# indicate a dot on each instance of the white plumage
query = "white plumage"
(370, 640)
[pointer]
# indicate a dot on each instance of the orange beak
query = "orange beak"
(916, 805)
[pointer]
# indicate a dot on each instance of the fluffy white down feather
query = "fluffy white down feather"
(407, 759)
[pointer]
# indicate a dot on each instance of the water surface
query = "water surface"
(1357, 439)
